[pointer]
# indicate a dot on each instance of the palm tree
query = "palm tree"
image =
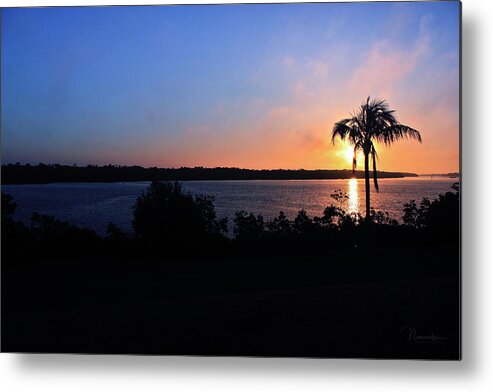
(374, 122)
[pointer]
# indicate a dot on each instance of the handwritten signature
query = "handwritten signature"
(412, 336)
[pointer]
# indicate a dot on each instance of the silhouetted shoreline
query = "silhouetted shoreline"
(53, 173)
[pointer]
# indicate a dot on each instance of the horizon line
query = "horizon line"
(223, 167)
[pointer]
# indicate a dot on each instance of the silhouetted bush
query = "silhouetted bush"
(439, 219)
(165, 215)
(279, 227)
(382, 218)
(303, 225)
(56, 237)
(8, 207)
(114, 232)
(16, 237)
(248, 227)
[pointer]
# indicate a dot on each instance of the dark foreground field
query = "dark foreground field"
(262, 308)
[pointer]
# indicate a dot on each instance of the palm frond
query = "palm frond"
(341, 129)
(346, 129)
(410, 133)
(395, 132)
(374, 157)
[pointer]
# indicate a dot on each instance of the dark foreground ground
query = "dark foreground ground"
(405, 307)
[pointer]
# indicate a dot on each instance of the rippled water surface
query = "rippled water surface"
(94, 205)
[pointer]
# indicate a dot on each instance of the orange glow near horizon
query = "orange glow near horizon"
(299, 137)
(279, 149)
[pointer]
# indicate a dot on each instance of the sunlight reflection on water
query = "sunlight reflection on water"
(353, 195)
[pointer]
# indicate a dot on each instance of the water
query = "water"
(94, 205)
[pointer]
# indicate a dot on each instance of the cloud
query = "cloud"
(386, 64)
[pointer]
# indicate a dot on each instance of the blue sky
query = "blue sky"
(226, 85)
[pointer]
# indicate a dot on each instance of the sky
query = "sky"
(252, 86)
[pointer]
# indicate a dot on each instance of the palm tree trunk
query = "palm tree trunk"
(367, 185)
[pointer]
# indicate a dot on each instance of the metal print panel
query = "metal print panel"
(233, 180)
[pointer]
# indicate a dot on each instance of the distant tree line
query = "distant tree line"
(450, 175)
(50, 173)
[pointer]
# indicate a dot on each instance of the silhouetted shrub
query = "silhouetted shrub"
(56, 237)
(119, 244)
(8, 207)
(333, 218)
(114, 232)
(15, 235)
(382, 218)
(415, 215)
(164, 214)
(304, 226)
(280, 226)
(433, 213)
(248, 227)
(437, 219)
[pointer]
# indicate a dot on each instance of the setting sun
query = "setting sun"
(348, 154)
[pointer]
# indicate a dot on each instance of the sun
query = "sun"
(348, 154)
